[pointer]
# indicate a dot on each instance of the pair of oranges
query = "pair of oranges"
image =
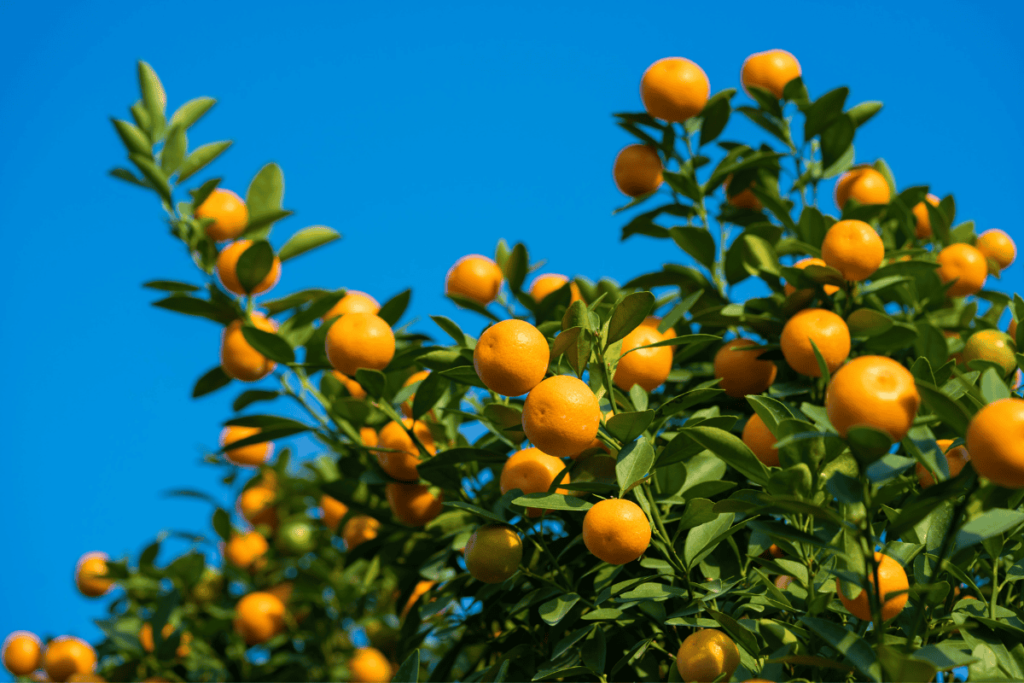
(65, 658)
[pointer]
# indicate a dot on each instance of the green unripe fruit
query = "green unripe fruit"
(493, 553)
(209, 587)
(295, 538)
(992, 346)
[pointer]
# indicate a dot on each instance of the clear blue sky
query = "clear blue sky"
(420, 131)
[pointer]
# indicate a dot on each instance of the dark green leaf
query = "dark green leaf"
(633, 463)
(254, 265)
(222, 523)
(552, 501)
(846, 642)
(409, 672)
(198, 307)
(697, 242)
(269, 344)
(516, 267)
(393, 309)
(949, 411)
(373, 381)
(250, 396)
(990, 523)
(429, 392)
(730, 449)
(824, 112)
(170, 286)
(210, 382)
(715, 115)
(627, 426)
(628, 315)
(836, 140)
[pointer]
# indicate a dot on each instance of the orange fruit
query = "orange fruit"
(332, 510)
(22, 653)
(359, 529)
(247, 551)
(360, 340)
(637, 170)
(543, 285)
(475, 277)
(532, 471)
(744, 199)
(616, 531)
(864, 184)
(743, 372)
(413, 378)
(368, 436)
(775, 552)
(829, 333)
(995, 440)
(511, 357)
(368, 665)
(922, 221)
(706, 654)
(994, 346)
(997, 245)
(965, 267)
(260, 617)
(354, 388)
(238, 358)
(227, 262)
(1012, 330)
(88, 575)
(252, 455)
(229, 213)
(68, 655)
(88, 678)
(770, 70)
(561, 415)
(674, 89)
(854, 249)
(654, 321)
(956, 458)
(803, 263)
(647, 367)
(493, 553)
(413, 504)
(892, 578)
(353, 302)
(873, 391)
(761, 441)
(146, 639)
(401, 464)
(257, 506)
(422, 587)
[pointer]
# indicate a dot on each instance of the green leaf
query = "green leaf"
(554, 610)
(697, 242)
(990, 523)
(825, 111)
(222, 523)
(210, 382)
(153, 96)
(633, 463)
(701, 540)
(374, 382)
(269, 344)
(250, 396)
(254, 265)
(429, 392)
(516, 267)
(860, 113)
(200, 308)
(553, 501)
(200, 158)
(627, 426)
(393, 309)
(452, 329)
(730, 449)
(263, 198)
(170, 286)
(190, 112)
(475, 509)
(463, 374)
(135, 141)
(409, 672)
(129, 177)
(307, 239)
(952, 414)
(153, 174)
(867, 443)
(628, 315)
(174, 150)
(848, 644)
(836, 140)
(715, 116)
(867, 322)
(992, 386)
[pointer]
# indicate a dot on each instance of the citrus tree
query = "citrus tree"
(645, 481)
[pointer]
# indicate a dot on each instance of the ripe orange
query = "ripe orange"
(706, 654)
(616, 531)
(493, 553)
(965, 266)
(922, 221)
(413, 504)
(368, 665)
(997, 245)
(761, 441)
(770, 70)
(476, 277)
(238, 358)
(368, 436)
(744, 199)
(864, 184)
(401, 465)
(647, 367)
(146, 639)
(956, 458)
(829, 333)
(257, 506)
(511, 357)
(543, 285)
(873, 391)
(637, 170)
(854, 249)
(359, 529)
(68, 655)
(743, 372)
(332, 510)
(532, 471)
(413, 378)
(252, 455)
(995, 440)
(247, 551)
(654, 321)
(360, 340)
(88, 575)
(803, 263)
(674, 89)
(22, 653)
(227, 262)
(561, 415)
(892, 578)
(353, 302)
(422, 587)
(229, 213)
(354, 388)
(260, 617)
(993, 346)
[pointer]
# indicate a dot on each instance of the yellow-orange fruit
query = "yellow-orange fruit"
(892, 578)
(67, 655)
(863, 184)
(247, 551)
(965, 267)
(333, 510)
(260, 617)
(493, 553)
(705, 655)
(741, 371)
(922, 219)
(476, 277)
(829, 333)
(252, 455)
(544, 285)
(561, 415)
(956, 459)
(873, 391)
(22, 653)
(995, 440)
(402, 461)
(89, 575)
(413, 379)
(532, 471)
(413, 504)
(674, 89)
(647, 367)
(511, 357)
(368, 665)
(998, 246)
(354, 388)
(359, 529)
(854, 249)
(616, 531)
(257, 505)
(761, 441)
(147, 642)
(803, 263)
(744, 199)
(238, 358)
(353, 302)
(637, 170)
(227, 264)
(229, 213)
(770, 70)
(360, 340)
